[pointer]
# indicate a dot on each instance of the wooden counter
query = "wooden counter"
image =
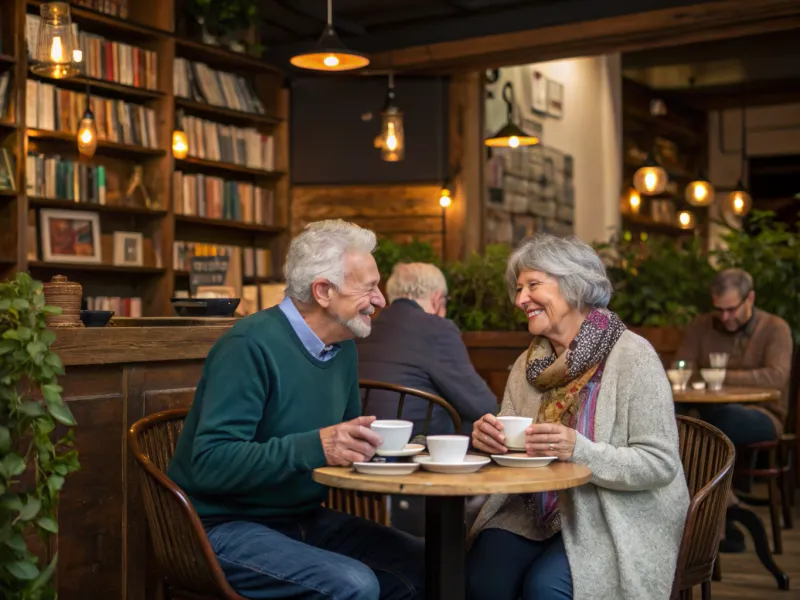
(114, 377)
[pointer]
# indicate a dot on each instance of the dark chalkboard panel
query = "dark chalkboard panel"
(331, 141)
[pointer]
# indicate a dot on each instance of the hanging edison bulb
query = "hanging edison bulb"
(87, 132)
(699, 192)
(651, 178)
(632, 202)
(739, 201)
(444, 198)
(686, 220)
(391, 139)
(55, 52)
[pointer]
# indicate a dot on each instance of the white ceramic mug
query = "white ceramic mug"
(394, 433)
(514, 430)
(450, 449)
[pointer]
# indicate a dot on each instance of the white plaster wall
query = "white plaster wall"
(590, 130)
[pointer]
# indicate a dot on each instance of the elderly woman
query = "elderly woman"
(598, 396)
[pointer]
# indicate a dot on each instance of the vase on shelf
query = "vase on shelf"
(67, 295)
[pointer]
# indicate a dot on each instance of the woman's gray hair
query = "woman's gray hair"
(578, 269)
(416, 281)
(318, 253)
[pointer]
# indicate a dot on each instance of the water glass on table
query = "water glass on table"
(680, 374)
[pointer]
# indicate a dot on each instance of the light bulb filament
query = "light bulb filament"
(331, 61)
(57, 50)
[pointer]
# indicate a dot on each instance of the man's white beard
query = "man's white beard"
(357, 326)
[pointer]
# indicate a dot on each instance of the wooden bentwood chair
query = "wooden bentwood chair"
(183, 553)
(375, 506)
(707, 456)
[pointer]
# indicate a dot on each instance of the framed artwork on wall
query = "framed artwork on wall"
(70, 236)
(538, 92)
(555, 99)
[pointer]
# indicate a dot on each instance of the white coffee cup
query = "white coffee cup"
(450, 449)
(394, 433)
(514, 430)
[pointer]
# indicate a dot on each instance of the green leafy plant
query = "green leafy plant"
(658, 282)
(770, 251)
(389, 253)
(224, 18)
(33, 466)
(478, 293)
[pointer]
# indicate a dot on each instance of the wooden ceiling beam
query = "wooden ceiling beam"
(657, 28)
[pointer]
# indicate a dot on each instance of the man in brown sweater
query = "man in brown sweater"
(759, 345)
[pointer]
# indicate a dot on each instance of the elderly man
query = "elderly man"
(279, 397)
(759, 346)
(413, 345)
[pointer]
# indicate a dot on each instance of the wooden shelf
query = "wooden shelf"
(108, 25)
(218, 112)
(104, 146)
(93, 267)
(8, 194)
(7, 59)
(216, 55)
(10, 125)
(38, 202)
(228, 224)
(228, 168)
(105, 88)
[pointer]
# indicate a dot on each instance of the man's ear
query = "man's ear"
(752, 296)
(321, 292)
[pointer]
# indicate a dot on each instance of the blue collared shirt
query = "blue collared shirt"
(309, 339)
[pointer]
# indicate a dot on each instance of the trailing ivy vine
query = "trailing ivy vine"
(36, 440)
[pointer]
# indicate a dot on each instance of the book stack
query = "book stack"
(225, 143)
(217, 198)
(58, 178)
(199, 82)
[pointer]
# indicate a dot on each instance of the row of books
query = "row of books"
(122, 307)
(117, 8)
(104, 59)
(54, 109)
(229, 144)
(244, 262)
(199, 82)
(55, 177)
(5, 94)
(216, 198)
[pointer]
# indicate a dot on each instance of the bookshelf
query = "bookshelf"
(229, 196)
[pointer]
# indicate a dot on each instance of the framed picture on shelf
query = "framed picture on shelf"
(128, 250)
(70, 236)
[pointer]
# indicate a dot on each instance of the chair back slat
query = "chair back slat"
(182, 551)
(707, 456)
(400, 404)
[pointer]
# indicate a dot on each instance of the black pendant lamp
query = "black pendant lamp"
(510, 135)
(330, 54)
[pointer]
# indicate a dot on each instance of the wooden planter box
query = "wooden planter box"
(493, 352)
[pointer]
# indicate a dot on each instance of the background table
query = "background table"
(738, 395)
(445, 531)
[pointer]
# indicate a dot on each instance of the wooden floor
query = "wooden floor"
(743, 577)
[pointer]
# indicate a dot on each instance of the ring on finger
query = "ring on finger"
(552, 447)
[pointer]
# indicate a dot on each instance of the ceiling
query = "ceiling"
(759, 69)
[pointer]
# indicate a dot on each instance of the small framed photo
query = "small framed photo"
(555, 99)
(538, 92)
(70, 236)
(128, 249)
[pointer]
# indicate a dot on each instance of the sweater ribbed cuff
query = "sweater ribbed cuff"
(308, 449)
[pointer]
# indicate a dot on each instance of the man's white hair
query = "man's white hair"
(318, 253)
(416, 281)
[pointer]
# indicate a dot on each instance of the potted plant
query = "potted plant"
(231, 23)
(36, 440)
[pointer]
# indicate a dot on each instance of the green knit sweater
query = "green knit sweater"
(251, 438)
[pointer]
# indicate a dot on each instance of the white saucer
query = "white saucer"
(522, 460)
(372, 468)
(471, 464)
(409, 450)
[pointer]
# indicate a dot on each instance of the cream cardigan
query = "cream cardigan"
(623, 529)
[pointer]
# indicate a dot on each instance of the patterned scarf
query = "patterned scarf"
(571, 383)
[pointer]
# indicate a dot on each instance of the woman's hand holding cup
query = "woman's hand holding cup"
(487, 435)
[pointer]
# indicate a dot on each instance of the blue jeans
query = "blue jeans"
(504, 566)
(327, 555)
(742, 425)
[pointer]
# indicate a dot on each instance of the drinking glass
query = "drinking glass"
(718, 360)
(680, 374)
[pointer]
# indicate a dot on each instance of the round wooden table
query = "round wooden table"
(727, 395)
(445, 534)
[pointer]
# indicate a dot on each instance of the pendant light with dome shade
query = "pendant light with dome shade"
(651, 178)
(56, 54)
(330, 54)
(510, 135)
(700, 192)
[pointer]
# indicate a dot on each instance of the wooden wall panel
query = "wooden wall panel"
(401, 212)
